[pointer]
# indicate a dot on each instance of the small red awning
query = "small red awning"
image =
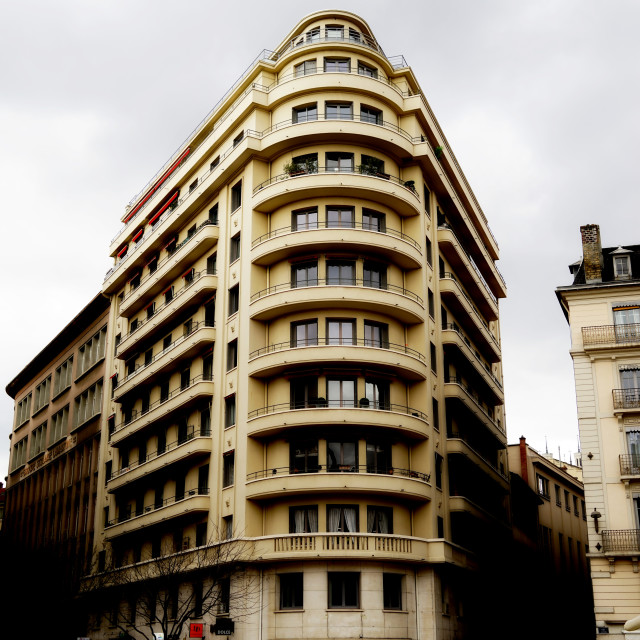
(135, 238)
(187, 272)
(115, 375)
(123, 251)
(149, 305)
(134, 276)
(167, 289)
(164, 207)
(174, 239)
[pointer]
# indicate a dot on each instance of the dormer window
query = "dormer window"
(622, 267)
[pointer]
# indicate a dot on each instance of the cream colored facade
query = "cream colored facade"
(305, 314)
(605, 347)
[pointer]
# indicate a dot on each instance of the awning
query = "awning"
(123, 251)
(164, 207)
(135, 238)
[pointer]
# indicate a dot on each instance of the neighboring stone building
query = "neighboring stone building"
(602, 307)
(47, 531)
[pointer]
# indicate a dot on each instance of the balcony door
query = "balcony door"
(304, 392)
(627, 323)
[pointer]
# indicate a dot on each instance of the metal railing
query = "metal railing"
(342, 542)
(611, 334)
(630, 464)
(322, 403)
(368, 469)
(312, 226)
(626, 398)
(158, 504)
(191, 434)
(331, 342)
(335, 282)
(620, 540)
(135, 414)
(475, 398)
(196, 326)
(470, 444)
(409, 185)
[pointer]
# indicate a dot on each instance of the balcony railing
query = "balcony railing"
(409, 185)
(369, 469)
(626, 398)
(475, 398)
(322, 403)
(342, 542)
(322, 342)
(335, 282)
(311, 226)
(630, 464)
(191, 434)
(621, 540)
(610, 334)
(158, 504)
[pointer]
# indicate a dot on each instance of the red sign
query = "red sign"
(195, 630)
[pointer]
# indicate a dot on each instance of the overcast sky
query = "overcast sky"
(539, 101)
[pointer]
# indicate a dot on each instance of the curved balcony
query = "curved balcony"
(458, 446)
(180, 349)
(451, 335)
(405, 362)
(462, 504)
(395, 483)
(285, 242)
(457, 389)
(195, 445)
(283, 189)
(191, 295)
(468, 272)
(193, 502)
(467, 315)
(163, 410)
(277, 418)
(403, 304)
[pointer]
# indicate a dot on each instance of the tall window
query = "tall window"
(59, 423)
(41, 396)
(340, 65)
(344, 590)
(342, 518)
(374, 221)
(374, 275)
(341, 332)
(378, 457)
(303, 519)
(542, 484)
(627, 323)
(377, 392)
(234, 299)
(232, 355)
(338, 111)
(376, 334)
(341, 392)
(339, 161)
(62, 378)
(228, 469)
(307, 113)
(305, 68)
(304, 274)
(304, 333)
(38, 440)
(236, 195)
(379, 519)
(229, 411)
(291, 591)
(341, 272)
(234, 248)
(633, 447)
(303, 457)
(23, 410)
(304, 219)
(19, 454)
(340, 217)
(88, 404)
(392, 591)
(213, 214)
(92, 351)
(304, 392)
(313, 35)
(342, 456)
(622, 267)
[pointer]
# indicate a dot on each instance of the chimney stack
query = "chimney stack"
(591, 253)
(524, 469)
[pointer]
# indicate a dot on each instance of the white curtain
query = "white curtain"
(350, 519)
(371, 519)
(298, 520)
(313, 520)
(333, 523)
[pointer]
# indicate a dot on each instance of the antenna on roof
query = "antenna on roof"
(546, 445)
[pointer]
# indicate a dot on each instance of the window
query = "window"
(558, 495)
(427, 200)
(542, 485)
(193, 185)
(342, 518)
(341, 393)
(304, 114)
(370, 115)
(303, 519)
(374, 275)
(23, 410)
(168, 295)
(341, 272)
(434, 358)
(303, 392)
(313, 35)
(153, 265)
(339, 161)
(92, 351)
(236, 195)
(378, 457)
(228, 465)
(41, 396)
(234, 248)
(344, 590)
(627, 323)
(62, 378)
(304, 333)
(567, 504)
(38, 440)
(354, 36)
(379, 519)
(291, 590)
(88, 404)
(576, 511)
(304, 274)
(185, 379)
(224, 595)
(438, 470)
(436, 414)
(212, 263)
(59, 422)
(366, 70)
(134, 283)
(376, 334)
(19, 454)
(234, 299)
(583, 510)
(151, 309)
(339, 65)
(307, 162)
(229, 411)
(303, 457)
(377, 394)
(238, 139)
(342, 456)
(227, 527)
(305, 68)
(338, 111)
(340, 217)
(171, 246)
(622, 267)
(341, 332)
(392, 591)
(232, 355)
(148, 357)
(214, 163)
(374, 221)
(334, 32)
(304, 219)
(432, 304)
(429, 254)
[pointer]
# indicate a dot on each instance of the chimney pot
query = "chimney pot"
(591, 253)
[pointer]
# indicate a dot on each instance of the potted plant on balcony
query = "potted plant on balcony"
(367, 169)
(439, 151)
(364, 403)
(411, 185)
(294, 169)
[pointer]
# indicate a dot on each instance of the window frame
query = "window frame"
(336, 64)
(344, 581)
(291, 591)
(308, 112)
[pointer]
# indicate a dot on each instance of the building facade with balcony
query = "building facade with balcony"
(602, 307)
(307, 352)
(47, 532)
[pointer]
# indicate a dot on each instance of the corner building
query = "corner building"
(305, 308)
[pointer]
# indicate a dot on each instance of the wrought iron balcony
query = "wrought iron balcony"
(621, 540)
(611, 334)
(338, 468)
(626, 398)
(630, 464)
